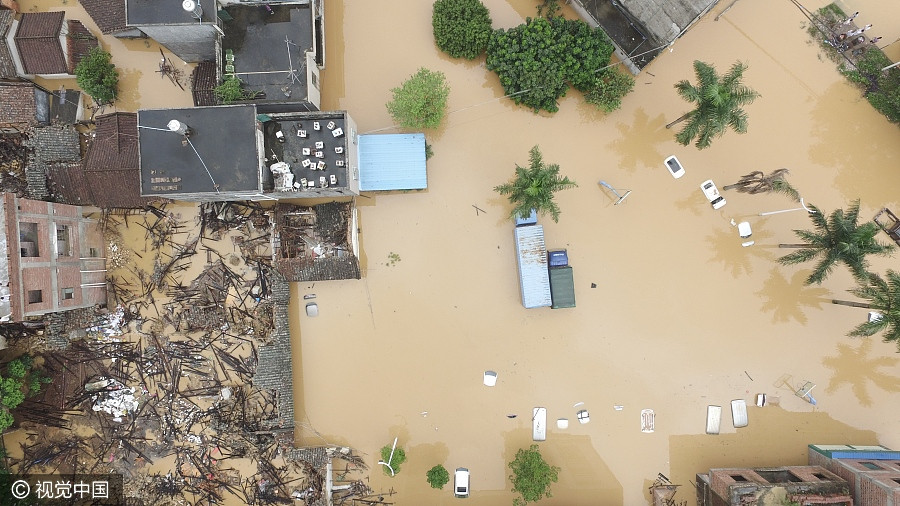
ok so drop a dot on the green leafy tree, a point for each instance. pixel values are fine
(883, 295)
(531, 476)
(437, 476)
(534, 186)
(718, 104)
(19, 378)
(462, 28)
(421, 101)
(548, 8)
(231, 90)
(608, 89)
(837, 239)
(395, 461)
(536, 61)
(97, 76)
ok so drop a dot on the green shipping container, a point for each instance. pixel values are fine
(562, 287)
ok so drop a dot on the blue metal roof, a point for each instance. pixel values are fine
(392, 162)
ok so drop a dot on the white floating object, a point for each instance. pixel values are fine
(578, 404)
(583, 416)
(739, 413)
(713, 419)
(490, 377)
(562, 423)
(539, 424)
(648, 420)
(312, 309)
(618, 407)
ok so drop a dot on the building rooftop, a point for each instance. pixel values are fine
(392, 162)
(203, 83)
(7, 65)
(37, 41)
(275, 44)
(19, 103)
(325, 147)
(79, 42)
(108, 14)
(166, 12)
(227, 157)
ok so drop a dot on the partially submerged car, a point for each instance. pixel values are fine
(674, 166)
(461, 482)
(712, 194)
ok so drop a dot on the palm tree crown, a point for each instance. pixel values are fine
(836, 239)
(882, 294)
(758, 182)
(718, 104)
(534, 186)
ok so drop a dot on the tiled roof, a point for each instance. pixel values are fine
(7, 66)
(114, 145)
(203, 82)
(79, 41)
(18, 103)
(54, 144)
(108, 14)
(69, 185)
(37, 41)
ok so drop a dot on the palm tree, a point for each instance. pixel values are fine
(883, 295)
(718, 104)
(533, 187)
(757, 181)
(836, 239)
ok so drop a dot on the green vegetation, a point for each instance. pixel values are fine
(429, 151)
(836, 239)
(536, 61)
(399, 458)
(97, 76)
(462, 28)
(759, 182)
(548, 8)
(231, 90)
(534, 186)
(393, 258)
(437, 476)
(531, 476)
(20, 378)
(881, 88)
(883, 295)
(718, 104)
(421, 101)
(608, 89)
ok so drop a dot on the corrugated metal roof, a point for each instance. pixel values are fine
(534, 280)
(392, 162)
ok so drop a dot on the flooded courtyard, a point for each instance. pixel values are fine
(682, 316)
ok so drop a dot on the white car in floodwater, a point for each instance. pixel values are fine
(712, 194)
(461, 482)
(674, 166)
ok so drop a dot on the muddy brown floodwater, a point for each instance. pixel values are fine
(682, 315)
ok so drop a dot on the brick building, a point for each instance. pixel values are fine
(53, 261)
(873, 472)
(807, 485)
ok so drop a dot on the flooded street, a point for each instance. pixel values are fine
(681, 317)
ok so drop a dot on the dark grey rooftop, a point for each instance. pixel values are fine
(224, 137)
(166, 12)
(275, 43)
(291, 150)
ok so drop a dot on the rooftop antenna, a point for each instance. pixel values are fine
(616, 192)
(193, 7)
